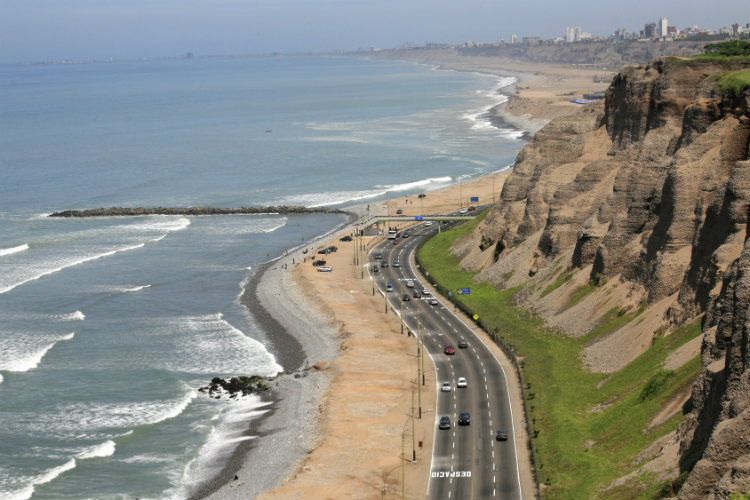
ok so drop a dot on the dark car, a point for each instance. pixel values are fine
(405, 297)
(384, 263)
(472, 208)
(332, 248)
(399, 211)
(375, 269)
(463, 418)
(346, 238)
(405, 235)
(422, 195)
(378, 256)
(462, 344)
(417, 295)
(319, 262)
(502, 435)
(445, 423)
(323, 251)
(395, 242)
(449, 350)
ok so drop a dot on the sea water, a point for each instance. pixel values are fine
(109, 325)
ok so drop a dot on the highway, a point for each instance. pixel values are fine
(467, 462)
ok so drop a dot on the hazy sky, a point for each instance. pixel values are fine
(38, 30)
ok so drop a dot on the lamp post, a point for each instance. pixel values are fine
(420, 365)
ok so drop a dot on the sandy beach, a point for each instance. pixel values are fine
(343, 420)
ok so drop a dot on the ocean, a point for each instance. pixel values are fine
(108, 326)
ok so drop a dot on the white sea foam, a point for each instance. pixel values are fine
(75, 316)
(210, 344)
(134, 288)
(1, 378)
(9, 251)
(419, 184)
(338, 138)
(65, 265)
(227, 432)
(27, 491)
(105, 449)
(21, 353)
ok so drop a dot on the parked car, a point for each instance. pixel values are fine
(405, 297)
(346, 238)
(446, 387)
(325, 269)
(449, 350)
(462, 344)
(502, 435)
(434, 301)
(461, 382)
(399, 211)
(445, 422)
(463, 418)
(319, 262)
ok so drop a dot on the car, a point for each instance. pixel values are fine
(428, 223)
(333, 248)
(324, 251)
(463, 418)
(462, 211)
(405, 297)
(388, 287)
(472, 208)
(375, 269)
(399, 211)
(395, 242)
(396, 264)
(384, 263)
(449, 350)
(461, 382)
(319, 262)
(445, 423)
(378, 256)
(346, 238)
(405, 235)
(417, 295)
(410, 284)
(325, 269)
(446, 387)
(421, 195)
(502, 435)
(462, 344)
(425, 291)
(434, 301)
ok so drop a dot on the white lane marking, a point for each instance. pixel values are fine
(493, 453)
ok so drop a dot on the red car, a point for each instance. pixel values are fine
(449, 350)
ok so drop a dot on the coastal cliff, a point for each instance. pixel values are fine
(637, 206)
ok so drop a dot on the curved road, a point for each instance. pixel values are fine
(467, 462)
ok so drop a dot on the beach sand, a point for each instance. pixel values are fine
(340, 424)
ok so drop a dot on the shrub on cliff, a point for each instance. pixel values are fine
(728, 49)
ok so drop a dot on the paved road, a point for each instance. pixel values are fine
(468, 462)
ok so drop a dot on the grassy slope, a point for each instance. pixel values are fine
(579, 451)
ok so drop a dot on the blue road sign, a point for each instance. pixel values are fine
(475, 199)
(463, 291)
(418, 217)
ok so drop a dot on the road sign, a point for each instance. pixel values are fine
(475, 199)
(418, 217)
(463, 291)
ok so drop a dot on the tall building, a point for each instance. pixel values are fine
(649, 31)
(513, 38)
(573, 34)
(663, 27)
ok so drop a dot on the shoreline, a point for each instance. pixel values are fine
(283, 304)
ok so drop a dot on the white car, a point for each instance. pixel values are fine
(325, 269)
(461, 382)
(409, 284)
(425, 291)
(462, 211)
(433, 301)
(428, 223)
(446, 387)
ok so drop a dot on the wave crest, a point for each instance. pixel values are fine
(9, 251)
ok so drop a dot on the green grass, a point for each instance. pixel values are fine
(733, 82)
(562, 392)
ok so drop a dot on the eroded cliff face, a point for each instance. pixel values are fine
(646, 195)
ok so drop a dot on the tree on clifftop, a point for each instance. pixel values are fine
(728, 49)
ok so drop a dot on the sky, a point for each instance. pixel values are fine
(54, 30)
